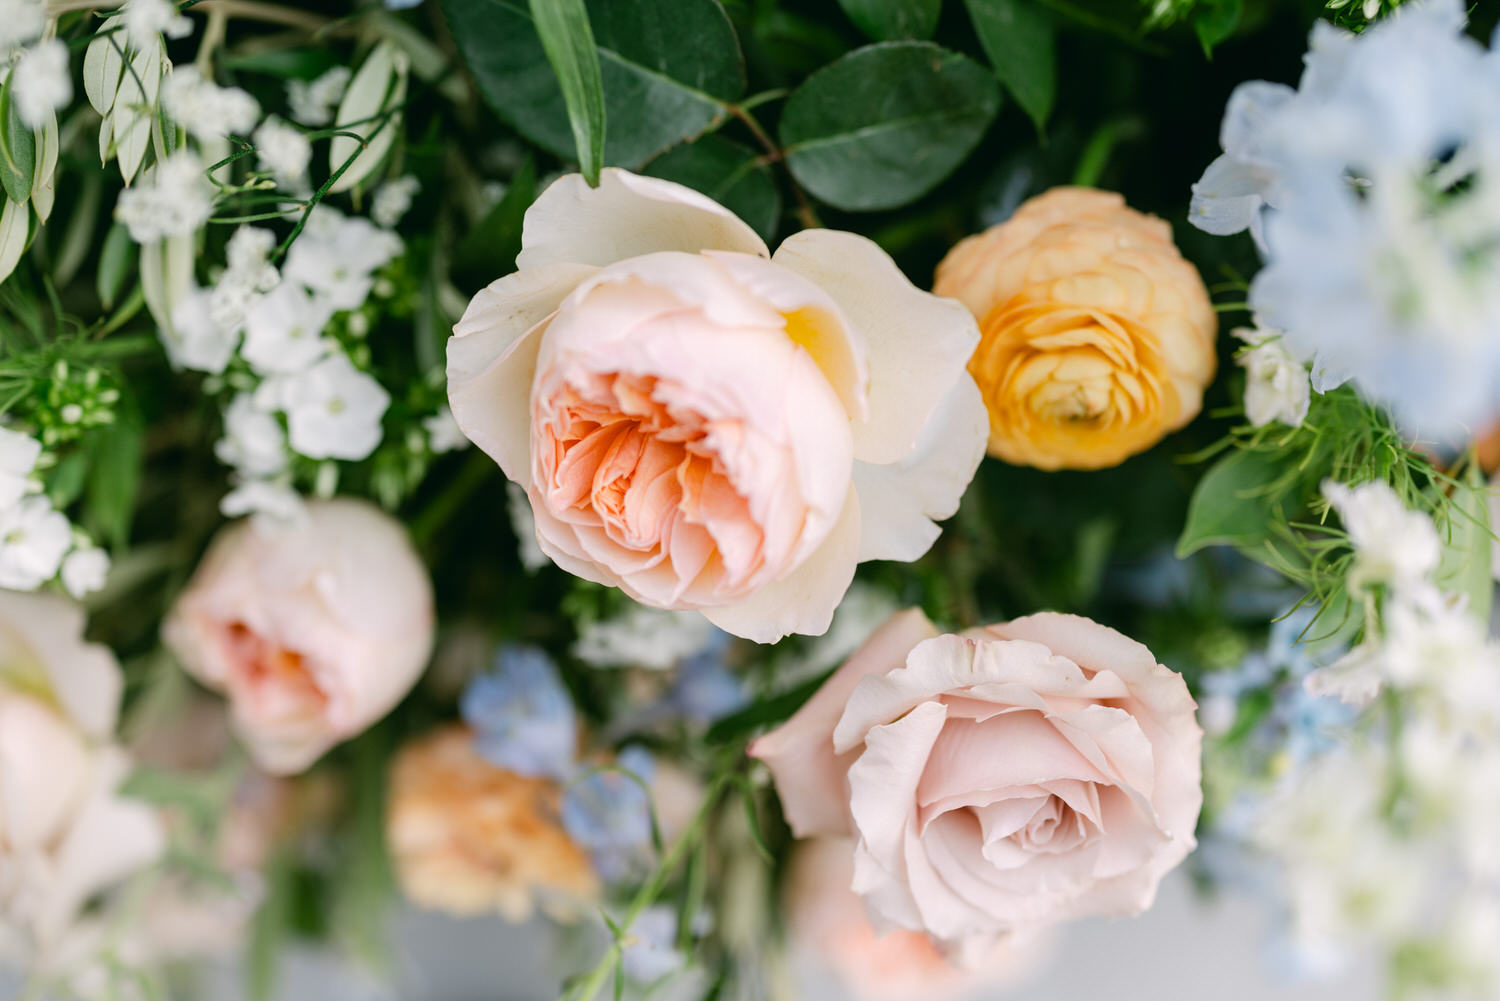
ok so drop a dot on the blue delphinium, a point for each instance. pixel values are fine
(706, 690)
(608, 813)
(522, 716)
(652, 952)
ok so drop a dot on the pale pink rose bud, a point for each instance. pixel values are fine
(708, 426)
(996, 782)
(314, 628)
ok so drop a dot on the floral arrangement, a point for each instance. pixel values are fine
(847, 487)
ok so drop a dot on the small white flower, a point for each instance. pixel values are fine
(253, 443)
(337, 256)
(443, 432)
(263, 498)
(523, 523)
(1276, 386)
(284, 330)
(334, 410)
(147, 20)
(21, 21)
(1392, 544)
(205, 109)
(313, 103)
(196, 340)
(173, 199)
(1355, 678)
(85, 570)
(643, 637)
(33, 540)
(18, 455)
(41, 85)
(248, 275)
(284, 152)
(393, 200)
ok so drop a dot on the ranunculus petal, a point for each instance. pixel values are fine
(919, 344)
(809, 777)
(625, 216)
(804, 600)
(902, 501)
(492, 359)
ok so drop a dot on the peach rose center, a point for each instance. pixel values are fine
(273, 680)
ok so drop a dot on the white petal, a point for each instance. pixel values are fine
(491, 361)
(804, 600)
(624, 217)
(900, 503)
(919, 344)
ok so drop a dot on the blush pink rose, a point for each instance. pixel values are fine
(1000, 781)
(707, 426)
(315, 628)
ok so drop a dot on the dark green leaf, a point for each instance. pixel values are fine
(667, 68)
(764, 713)
(67, 479)
(731, 174)
(891, 20)
(118, 453)
(883, 125)
(1021, 42)
(1230, 506)
(1214, 21)
(563, 26)
(490, 249)
(17, 149)
(116, 263)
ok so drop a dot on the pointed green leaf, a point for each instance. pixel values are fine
(893, 20)
(1021, 42)
(17, 149)
(563, 26)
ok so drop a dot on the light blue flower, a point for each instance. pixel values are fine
(608, 813)
(522, 716)
(706, 690)
(651, 952)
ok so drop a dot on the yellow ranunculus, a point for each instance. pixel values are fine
(1097, 337)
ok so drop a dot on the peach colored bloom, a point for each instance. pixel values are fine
(1097, 338)
(707, 426)
(469, 838)
(828, 929)
(314, 628)
(1000, 781)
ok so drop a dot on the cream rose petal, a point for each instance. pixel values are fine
(492, 360)
(901, 502)
(626, 216)
(83, 678)
(804, 600)
(809, 776)
(919, 344)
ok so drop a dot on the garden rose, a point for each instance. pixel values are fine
(1097, 338)
(314, 628)
(704, 425)
(65, 832)
(1016, 776)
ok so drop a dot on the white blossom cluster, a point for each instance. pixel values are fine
(37, 542)
(1373, 192)
(1389, 838)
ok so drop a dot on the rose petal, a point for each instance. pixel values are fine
(810, 778)
(625, 216)
(804, 600)
(492, 361)
(902, 501)
(919, 344)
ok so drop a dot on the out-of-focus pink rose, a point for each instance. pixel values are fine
(1016, 776)
(65, 832)
(707, 426)
(314, 628)
(828, 929)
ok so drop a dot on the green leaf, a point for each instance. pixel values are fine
(883, 125)
(1231, 507)
(1468, 544)
(116, 263)
(17, 149)
(489, 250)
(731, 174)
(667, 70)
(1214, 21)
(1020, 40)
(118, 454)
(15, 233)
(563, 26)
(770, 710)
(891, 20)
(378, 87)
